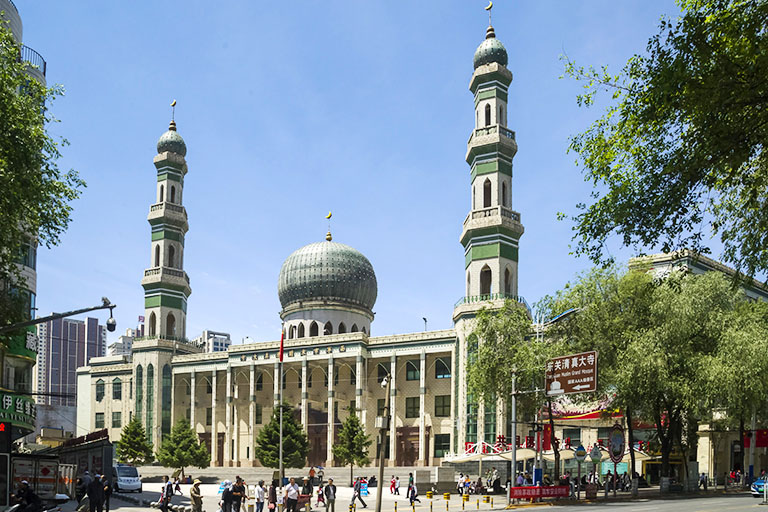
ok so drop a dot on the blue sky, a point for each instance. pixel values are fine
(290, 110)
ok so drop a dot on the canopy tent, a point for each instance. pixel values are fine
(564, 455)
(522, 454)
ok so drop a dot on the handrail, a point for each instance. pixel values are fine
(491, 211)
(166, 205)
(166, 270)
(472, 299)
(149, 337)
(490, 130)
(32, 57)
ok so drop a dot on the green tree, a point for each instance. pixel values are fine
(352, 444)
(295, 444)
(183, 448)
(133, 447)
(682, 144)
(36, 195)
(504, 355)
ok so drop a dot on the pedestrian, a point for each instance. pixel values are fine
(27, 499)
(107, 491)
(238, 494)
(226, 496)
(87, 479)
(196, 496)
(356, 488)
(291, 495)
(312, 475)
(165, 494)
(259, 496)
(392, 485)
(410, 480)
(397, 485)
(95, 493)
(330, 496)
(413, 494)
(176, 485)
(306, 487)
(79, 490)
(272, 496)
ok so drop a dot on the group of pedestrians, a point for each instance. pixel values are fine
(97, 489)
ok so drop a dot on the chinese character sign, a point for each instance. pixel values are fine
(576, 373)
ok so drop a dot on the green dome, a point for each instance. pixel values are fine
(172, 141)
(490, 50)
(327, 271)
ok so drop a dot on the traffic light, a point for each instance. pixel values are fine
(6, 439)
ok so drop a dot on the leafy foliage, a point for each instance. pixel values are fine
(682, 144)
(183, 448)
(352, 444)
(36, 195)
(133, 447)
(295, 444)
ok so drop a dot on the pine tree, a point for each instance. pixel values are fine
(352, 445)
(295, 444)
(133, 447)
(182, 448)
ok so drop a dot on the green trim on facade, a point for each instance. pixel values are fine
(487, 251)
(168, 301)
(168, 234)
(165, 175)
(490, 148)
(492, 230)
(491, 167)
(179, 224)
(155, 286)
(480, 79)
(495, 92)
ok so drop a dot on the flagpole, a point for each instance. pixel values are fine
(280, 407)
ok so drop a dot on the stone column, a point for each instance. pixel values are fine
(393, 411)
(192, 390)
(329, 453)
(454, 404)
(173, 402)
(359, 388)
(214, 434)
(236, 421)
(304, 395)
(228, 420)
(422, 408)
(252, 413)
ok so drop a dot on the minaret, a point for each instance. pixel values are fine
(490, 235)
(166, 285)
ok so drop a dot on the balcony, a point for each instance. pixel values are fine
(169, 213)
(474, 299)
(166, 271)
(491, 130)
(492, 211)
(30, 56)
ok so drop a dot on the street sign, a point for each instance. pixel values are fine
(576, 373)
(616, 443)
(596, 455)
(580, 454)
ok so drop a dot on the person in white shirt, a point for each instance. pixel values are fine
(259, 496)
(291, 496)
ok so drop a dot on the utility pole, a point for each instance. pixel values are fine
(383, 428)
(513, 478)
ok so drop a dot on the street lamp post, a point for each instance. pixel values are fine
(383, 428)
(105, 304)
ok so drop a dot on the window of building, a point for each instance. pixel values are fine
(380, 407)
(301, 331)
(171, 256)
(188, 388)
(130, 389)
(604, 433)
(208, 416)
(139, 389)
(153, 323)
(99, 420)
(309, 377)
(501, 115)
(471, 420)
(117, 419)
(507, 281)
(412, 407)
(354, 328)
(313, 329)
(328, 329)
(485, 280)
(99, 390)
(503, 194)
(412, 369)
(173, 194)
(442, 444)
(574, 434)
(165, 396)
(117, 389)
(209, 387)
(260, 382)
(150, 400)
(487, 193)
(342, 328)
(257, 415)
(383, 371)
(157, 255)
(161, 199)
(443, 368)
(292, 332)
(443, 406)
(487, 114)
(352, 377)
(335, 375)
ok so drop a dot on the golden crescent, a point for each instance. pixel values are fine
(328, 216)
(490, 5)
(173, 103)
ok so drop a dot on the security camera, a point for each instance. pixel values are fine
(111, 324)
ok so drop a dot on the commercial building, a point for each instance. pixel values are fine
(212, 341)
(124, 343)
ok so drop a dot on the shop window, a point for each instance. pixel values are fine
(412, 407)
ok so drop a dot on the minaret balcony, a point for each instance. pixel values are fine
(496, 136)
(167, 275)
(169, 213)
(497, 217)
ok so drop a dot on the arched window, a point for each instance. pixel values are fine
(152, 324)
(292, 332)
(171, 256)
(485, 281)
(139, 390)
(477, 119)
(170, 325)
(301, 331)
(507, 281)
(487, 193)
(173, 194)
(501, 115)
(166, 400)
(150, 400)
(469, 284)
(328, 329)
(487, 115)
(503, 194)
(117, 389)
(99, 390)
(157, 255)
(342, 328)
(473, 197)
(162, 198)
(363, 330)
(313, 329)
(354, 328)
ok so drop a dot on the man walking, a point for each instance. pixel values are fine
(291, 495)
(107, 491)
(356, 489)
(95, 493)
(196, 496)
(259, 495)
(238, 494)
(330, 496)
(165, 495)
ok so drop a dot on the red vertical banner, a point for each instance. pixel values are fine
(280, 355)
(547, 433)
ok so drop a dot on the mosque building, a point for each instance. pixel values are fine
(327, 290)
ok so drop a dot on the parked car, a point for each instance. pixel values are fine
(126, 478)
(757, 487)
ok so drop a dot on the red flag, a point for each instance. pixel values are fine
(280, 355)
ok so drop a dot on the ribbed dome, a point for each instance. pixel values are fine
(490, 50)
(172, 141)
(327, 271)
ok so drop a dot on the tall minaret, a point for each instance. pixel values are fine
(490, 235)
(166, 285)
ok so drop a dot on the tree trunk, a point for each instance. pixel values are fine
(631, 434)
(182, 474)
(553, 441)
(741, 441)
(351, 473)
(666, 445)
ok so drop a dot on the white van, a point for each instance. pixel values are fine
(126, 478)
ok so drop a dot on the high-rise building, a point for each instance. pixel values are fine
(124, 343)
(65, 345)
(213, 341)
